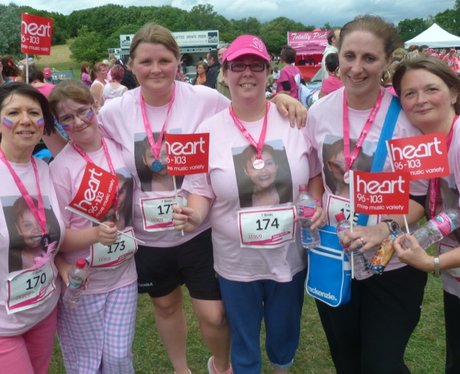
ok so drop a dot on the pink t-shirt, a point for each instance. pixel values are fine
(325, 132)
(449, 189)
(21, 248)
(233, 184)
(330, 84)
(67, 172)
(121, 120)
(289, 73)
(46, 89)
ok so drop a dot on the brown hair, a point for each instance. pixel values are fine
(432, 65)
(155, 34)
(383, 30)
(72, 90)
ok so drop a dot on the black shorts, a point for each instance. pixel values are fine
(161, 270)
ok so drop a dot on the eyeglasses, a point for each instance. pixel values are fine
(84, 114)
(255, 67)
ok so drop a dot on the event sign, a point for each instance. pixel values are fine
(424, 156)
(187, 153)
(381, 193)
(36, 34)
(96, 193)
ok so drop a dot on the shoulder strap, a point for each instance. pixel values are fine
(381, 151)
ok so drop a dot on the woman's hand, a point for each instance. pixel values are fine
(63, 268)
(288, 106)
(364, 237)
(318, 219)
(185, 218)
(409, 251)
(107, 233)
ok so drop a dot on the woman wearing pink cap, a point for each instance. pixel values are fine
(261, 266)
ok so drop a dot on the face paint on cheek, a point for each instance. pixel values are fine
(7, 122)
(40, 122)
(89, 114)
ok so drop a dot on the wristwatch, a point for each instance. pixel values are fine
(393, 226)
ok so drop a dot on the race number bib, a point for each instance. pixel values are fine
(111, 256)
(30, 288)
(455, 272)
(336, 204)
(266, 228)
(157, 213)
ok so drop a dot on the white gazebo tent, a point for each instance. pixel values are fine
(435, 37)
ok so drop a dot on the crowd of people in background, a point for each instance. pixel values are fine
(194, 231)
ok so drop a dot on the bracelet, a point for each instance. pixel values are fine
(437, 267)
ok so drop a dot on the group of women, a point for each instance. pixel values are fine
(253, 246)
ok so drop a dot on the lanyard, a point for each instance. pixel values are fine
(156, 166)
(88, 159)
(259, 145)
(434, 183)
(351, 158)
(37, 211)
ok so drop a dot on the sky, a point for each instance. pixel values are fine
(309, 12)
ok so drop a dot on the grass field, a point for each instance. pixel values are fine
(425, 353)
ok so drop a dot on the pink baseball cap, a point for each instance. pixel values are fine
(246, 45)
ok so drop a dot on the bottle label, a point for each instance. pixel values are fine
(266, 228)
(305, 211)
(29, 288)
(443, 223)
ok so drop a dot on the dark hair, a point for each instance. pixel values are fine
(383, 30)
(332, 62)
(432, 65)
(213, 53)
(117, 72)
(330, 36)
(23, 89)
(288, 54)
(72, 90)
(9, 67)
(85, 67)
(36, 75)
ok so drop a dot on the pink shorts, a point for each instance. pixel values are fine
(29, 353)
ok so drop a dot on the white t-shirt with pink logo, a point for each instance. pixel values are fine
(121, 120)
(112, 267)
(258, 199)
(325, 132)
(29, 288)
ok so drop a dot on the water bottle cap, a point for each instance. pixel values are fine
(303, 188)
(81, 263)
(340, 217)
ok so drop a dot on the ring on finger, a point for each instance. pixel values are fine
(363, 243)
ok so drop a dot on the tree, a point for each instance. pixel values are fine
(449, 20)
(88, 46)
(274, 33)
(410, 28)
(10, 30)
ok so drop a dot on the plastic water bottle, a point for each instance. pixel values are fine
(361, 264)
(77, 278)
(438, 227)
(306, 207)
